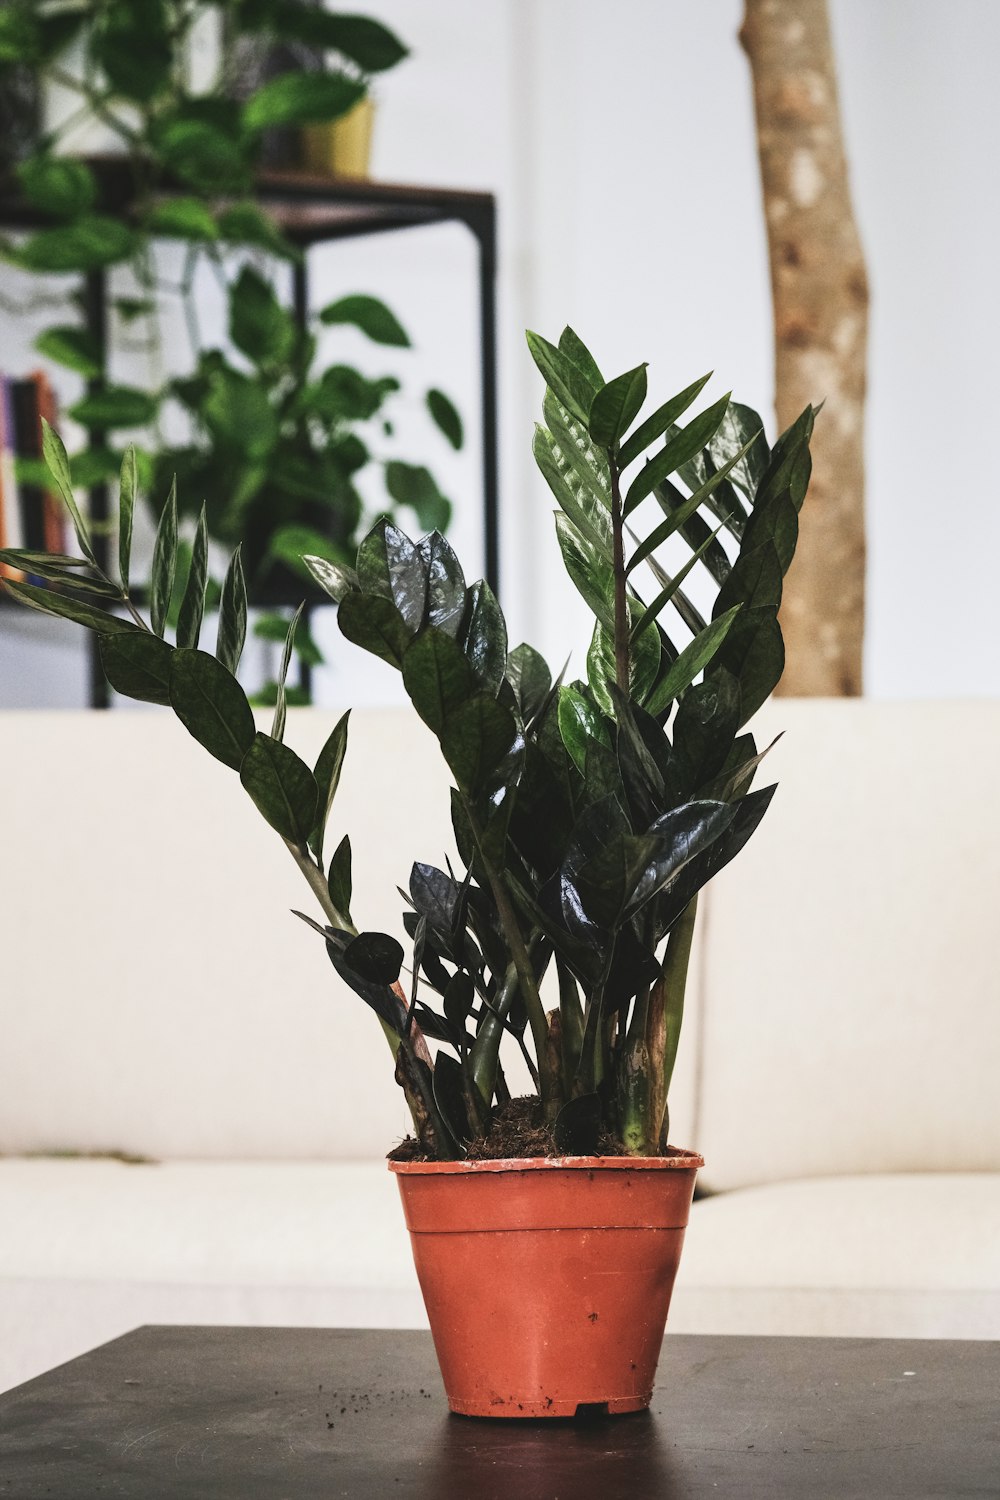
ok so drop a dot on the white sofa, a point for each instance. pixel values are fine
(839, 1069)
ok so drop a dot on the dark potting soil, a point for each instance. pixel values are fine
(516, 1130)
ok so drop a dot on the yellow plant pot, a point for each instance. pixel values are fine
(341, 148)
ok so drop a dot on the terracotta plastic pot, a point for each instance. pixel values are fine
(547, 1282)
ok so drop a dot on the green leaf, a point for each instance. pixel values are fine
(576, 489)
(58, 568)
(564, 378)
(371, 316)
(693, 659)
(280, 705)
(391, 565)
(211, 705)
(258, 324)
(132, 46)
(592, 573)
(755, 654)
(210, 159)
(182, 219)
(114, 406)
(327, 774)
(333, 578)
(671, 586)
(76, 348)
(616, 406)
(247, 224)
(301, 99)
(54, 453)
(126, 512)
(742, 429)
(437, 677)
(48, 602)
(580, 723)
(366, 42)
(339, 880)
(483, 636)
(676, 518)
(282, 787)
(644, 662)
(192, 609)
(375, 624)
(232, 615)
(530, 679)
(656, 425)
(575, 349)
(684, 444)
(445, 583)
(476, 738)
(86, 245)
(415, 486)
(375, 956)
(446, 417)
(138, 665)
(161, 585)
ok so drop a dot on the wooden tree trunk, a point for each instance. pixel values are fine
(820, 292)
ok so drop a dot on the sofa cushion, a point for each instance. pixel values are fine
(850, 997)
(883, 1256)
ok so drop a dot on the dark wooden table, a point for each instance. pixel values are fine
(282, 1414)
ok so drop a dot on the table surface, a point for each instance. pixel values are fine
(281, 1414)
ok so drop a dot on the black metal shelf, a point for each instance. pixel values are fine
(314, 209)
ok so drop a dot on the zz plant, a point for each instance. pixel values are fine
(588, 814)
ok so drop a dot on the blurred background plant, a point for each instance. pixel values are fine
(290, 453)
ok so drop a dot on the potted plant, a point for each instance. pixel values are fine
(587, 816)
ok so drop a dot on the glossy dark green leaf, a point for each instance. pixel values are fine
(755, 654)
(258, 324)
(589, 570)
(755, 580)
(57, 568)
(375, 624)
(327, 773)
(445, 583)
(445, 417)
(741, 426)
(414, 485)
(87, 244)
(161, 584)
(616, 406)
(644, 663)
(683, 445)
(580, 724)
(54, 453)
(76, 348)
(183, 219)
(281, 700)
(114, 406)
(669, 589)
(390, 565)
(693, 659)
(476, 738)
(437, 676)
(369, 315)
(232, 615)
(564, 378)
(640, 767)
(682, 835)
(438, 897)
(339, 879)
(381, 997)
(657, 423)
(138, 665)
(676, 518)
(694, 530)
(49, 602)
(192, 608)
(211, 705)
(483, 636)
(333, 578)
(746, 815)
(366, 42)
(577, 1129)
(375, 956)
(704, 730)
(301, 98)
(126, 510)
(571, 344)
(530, 678)
(458, 1000)
(281, 786)
(578, 499)
(60, 185)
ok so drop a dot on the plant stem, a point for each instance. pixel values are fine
(618, 562)
(318, 884)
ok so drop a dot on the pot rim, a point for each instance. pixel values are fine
(682, 1160)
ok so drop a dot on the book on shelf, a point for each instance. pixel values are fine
(30, 515)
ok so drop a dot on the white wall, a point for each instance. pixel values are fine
(619, 140)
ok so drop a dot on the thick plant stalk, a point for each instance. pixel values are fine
(820, 292)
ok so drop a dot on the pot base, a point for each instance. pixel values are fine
(498, 1406)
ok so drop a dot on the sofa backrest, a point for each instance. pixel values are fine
(850, 997)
